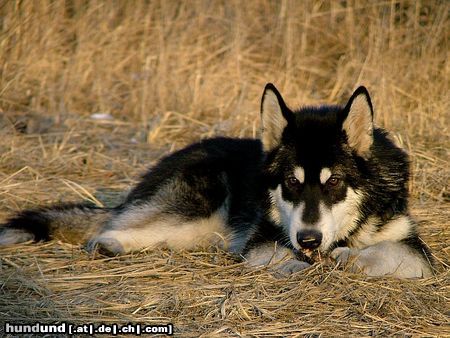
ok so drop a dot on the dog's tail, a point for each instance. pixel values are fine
(71, 223)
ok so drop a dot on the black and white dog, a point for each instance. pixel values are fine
(321, 179)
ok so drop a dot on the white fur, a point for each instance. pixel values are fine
(281, 209)
(274, 211)
(394, 230)
(136, 231)
(325, 174)
(299, 174)
(279, 258)
(346, 213)
(296, 224)
(267, 254)
(384, 258)
(334, 223)
(13, 236)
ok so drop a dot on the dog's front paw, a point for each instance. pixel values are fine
(287, 268)
(384, 258)
(343, 254)
(349, 258)
(368, 261)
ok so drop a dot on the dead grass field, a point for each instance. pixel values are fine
(172, 72)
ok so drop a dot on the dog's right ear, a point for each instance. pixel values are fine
(275, 116)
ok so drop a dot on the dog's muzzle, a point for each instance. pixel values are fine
(309, 239)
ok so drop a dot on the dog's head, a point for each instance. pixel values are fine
(316, 165)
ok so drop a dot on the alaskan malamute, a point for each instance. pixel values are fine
(320, 180)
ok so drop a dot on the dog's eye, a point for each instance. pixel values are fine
(292, 182)
(333, 181)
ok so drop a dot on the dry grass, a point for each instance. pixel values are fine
(172, 72)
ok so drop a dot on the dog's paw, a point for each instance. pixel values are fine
(368, 261)
(343, 254)
(349, 258)
(287, 268)
(384, 258)
(105, 246)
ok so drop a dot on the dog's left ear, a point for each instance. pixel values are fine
(275, 116)
(357, 122)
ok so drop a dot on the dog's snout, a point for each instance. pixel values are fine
(309, 239)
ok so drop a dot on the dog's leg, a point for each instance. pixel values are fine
(279, 259)
(183, 211)
(396, 259)
(244, 215)
(145, 227)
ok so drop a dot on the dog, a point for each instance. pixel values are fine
(321, 180)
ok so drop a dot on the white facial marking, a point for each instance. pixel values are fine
(327, 226)
(296, 224)
(334, 223)
(325, 174)
(287, 215)
(299, 174)
(282, 209)
(346, 213)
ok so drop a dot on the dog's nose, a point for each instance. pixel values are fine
(309, 239)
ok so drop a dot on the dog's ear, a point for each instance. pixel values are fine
(357, 122)
(274, 117)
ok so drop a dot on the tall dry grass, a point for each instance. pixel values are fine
(203, 59)
(171, 72)
(185, 70)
